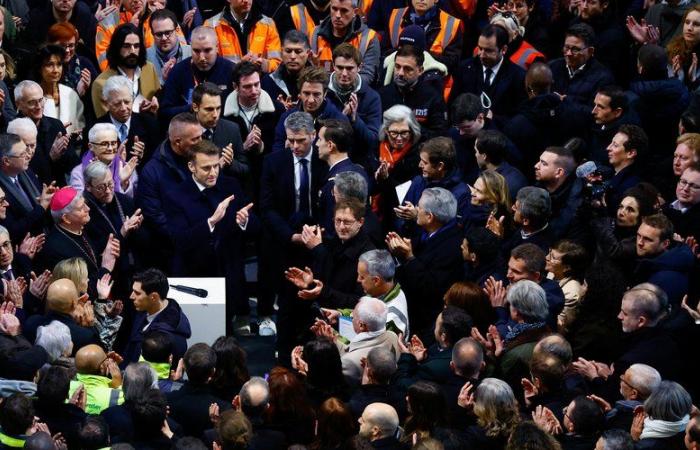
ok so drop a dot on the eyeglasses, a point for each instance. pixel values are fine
(104, 187)
(24, 154)
(164, 34)
(683, 184)
(573, 49)
(399, 133)
(347, 223)
(627, 383)
(114, 144)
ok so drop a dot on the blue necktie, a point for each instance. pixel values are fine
(304, 188)
(123, 133)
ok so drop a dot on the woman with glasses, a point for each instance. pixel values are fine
(59, 101)
(399, 137)
(78, 71)
(104, 146)
(566, 264)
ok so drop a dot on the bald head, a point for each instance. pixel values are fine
(467, 358)
(538, 79)
(61, 296)
(379, 421)
(204, 32)
(254, 397)
(89, 358)
(555, 345)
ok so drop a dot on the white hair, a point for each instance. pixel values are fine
(96, 170)
(100, 128)
(58, 215)
(116, 83)
(24, 85)
(372, 312)
(22, 125)
(54, 338)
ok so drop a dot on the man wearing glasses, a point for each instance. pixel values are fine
(167, 50)
(578, 75)
(26, 201)
(684, 212)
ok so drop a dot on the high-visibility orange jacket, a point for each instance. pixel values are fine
(449, 30)
(105, 30)
(364, 39)
(263, 40)
(302, 19)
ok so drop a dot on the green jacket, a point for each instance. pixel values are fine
(100, 395)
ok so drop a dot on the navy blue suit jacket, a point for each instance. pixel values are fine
(23, 216)
(278, 194)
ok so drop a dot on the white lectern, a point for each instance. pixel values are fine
(207, 315)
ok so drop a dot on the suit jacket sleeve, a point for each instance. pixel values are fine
(173, 101)
(270, 216)
(149, 200)
(280, 135)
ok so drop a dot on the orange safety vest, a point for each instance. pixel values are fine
(105, 30)
(449, 27)
(263, 40)
(526, 55)
(322, 47)
(364, 6)
(302, 19)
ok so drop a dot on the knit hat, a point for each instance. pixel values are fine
(413, 35)
(62, 198)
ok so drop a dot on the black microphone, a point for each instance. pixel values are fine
(190, 290)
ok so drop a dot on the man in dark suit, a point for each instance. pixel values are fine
(492, 73)
(166, 169)
(289, 179)
(206, 106)
(334, 141)
(431, 262)
(140, 130)
(55, 155)
(27, 200)
(208, 218)
(61, 298)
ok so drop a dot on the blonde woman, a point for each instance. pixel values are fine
(103, 314)
(496, 410)
(489, 196)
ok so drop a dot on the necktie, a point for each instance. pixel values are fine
(487, 78)
(304, 187)
(21, 191)
(123, 133)
(8, 275)
(208, 134)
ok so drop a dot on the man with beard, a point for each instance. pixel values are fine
(409, 89)
(126, 56)
(204, 65)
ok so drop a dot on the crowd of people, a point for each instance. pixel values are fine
(466, 224)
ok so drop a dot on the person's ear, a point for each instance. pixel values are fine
(170, 359)
(361, 220)
(236, 403)
(632, 154)
(190, 165)
(504, 50)
(195, 108)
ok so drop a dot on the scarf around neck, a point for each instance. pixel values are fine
(654, 428)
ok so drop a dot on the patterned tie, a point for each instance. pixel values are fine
(208, 134)
(304, 187)
(8, 275)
